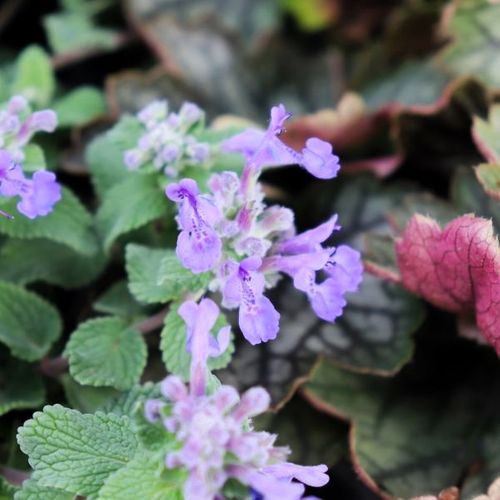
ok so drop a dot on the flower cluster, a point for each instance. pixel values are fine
(247, 245)
(168, 143)
(18, 124)
(214, 434)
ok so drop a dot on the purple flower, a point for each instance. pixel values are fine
(198, 245)
(264, 149)
(244, 288)
(200, 319)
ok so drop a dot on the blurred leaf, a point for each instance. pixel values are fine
(313, 437)
(173, 345)
(86, 398)
(421, 428)
(310, 15)
(379, 256)
(414, 83)
(74, 451)
(128, 402)
(32, 490)
(72, 31)
(48, 261)
(486, 134)
(144, 476)
(34, 159)
(488, 175)
(34, 77)
(373, 335)
(474, 26)
(28, 324)
(117, 300)
(20, 387)
(69, 223)
(106, 352)
(79, 106)
(7, 490)
(130, 204)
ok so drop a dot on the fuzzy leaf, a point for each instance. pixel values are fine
(128, 402)
(34, 77)
(173, 345)
(143, 264)
(86, 398)
(131, 204)
(79, 106)
(69, 223)
(106, 352)
(144, 477)
(48, 261)
(20, 387)
(457, 268)
(475, 30)
(28, 324)
(117, 300)
(488, 175)
(76, 452)
(486, 134)
(32, 490)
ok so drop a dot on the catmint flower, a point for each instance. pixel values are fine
(215, 438)
(38, 194)
(168, 143)
(18, 125)
(265, 149)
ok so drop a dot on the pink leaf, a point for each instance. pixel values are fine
(456, 269)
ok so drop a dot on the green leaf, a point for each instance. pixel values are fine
(105, 153)
(86, 398)
(34, 158)
(69, 223)
(373, 335)
(7, 490)
(144, 477)
(142, 265)
(32, 490)
(488, 174)
(117, 300)
(28, 324)
(486, 134)
(419, 428)
(20, 386)
(34, 77)
(48, 261)
(76, 452)
(131, 204)
(79, 106)
(106, 352)
(152, 436)
(173, 345)
(128, 402)
(68, 32)
(474, 27)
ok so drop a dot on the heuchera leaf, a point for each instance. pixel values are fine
(456, 269)
(488, 174)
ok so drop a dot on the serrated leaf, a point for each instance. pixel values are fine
(28, 324)
(105, 153)
(20, 387)
(106, 352)
(127, 402)
(44, 260)
(474, 27)
(117, 300)
(486, 134)
(131, 204)
(173, 345)
(31, 490)
(76, 452)
(373, 335)
(69, 223)
(34, 77)
(86, 398)
(79, 106)
(142, 265)
(488, 175)
(144, 477)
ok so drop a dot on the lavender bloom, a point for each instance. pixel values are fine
(198, 245)
(38, 194)
(167, 142)
(215, 438)
(264, 149)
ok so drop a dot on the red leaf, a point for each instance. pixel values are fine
(456, 269)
